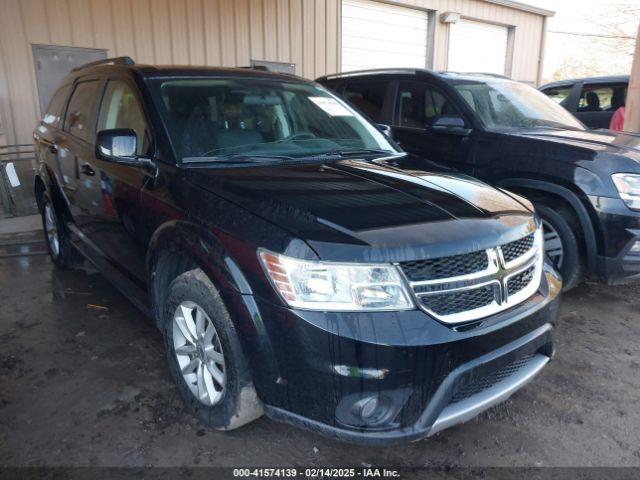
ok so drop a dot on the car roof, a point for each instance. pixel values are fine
(423, 72)
(602, 79)
(163, 71)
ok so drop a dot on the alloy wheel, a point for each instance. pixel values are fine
(553, 244)
(199, 353)
(51, 229)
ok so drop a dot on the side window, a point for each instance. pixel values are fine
(602, 98)
(368, 97)
(560, 94)
(120, 109)
(80, 118)
(420, 105)
(53, 113)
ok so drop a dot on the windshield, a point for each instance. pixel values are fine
(247, 119)
(510, 105)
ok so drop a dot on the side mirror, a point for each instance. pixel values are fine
(119, 145)
(386, 129)
(453, 124)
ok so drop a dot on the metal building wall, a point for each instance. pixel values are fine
(201, 32)
(209, 32)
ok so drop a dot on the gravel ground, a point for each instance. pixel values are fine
(83, 385)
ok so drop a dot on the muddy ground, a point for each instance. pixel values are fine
(81, 385)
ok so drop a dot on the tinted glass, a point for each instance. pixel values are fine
(559, 95)
(53, 113)
(121, 109)
(368, 97)
(420, 105)
(602, 98)
(80, 118)
(222, 117)
(504, 104)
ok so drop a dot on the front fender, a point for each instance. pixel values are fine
(573, 200)
(201, 248)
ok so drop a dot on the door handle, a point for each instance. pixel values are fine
(88, 170)
(53, 149)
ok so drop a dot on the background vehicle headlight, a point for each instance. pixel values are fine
(336, 286)
(628, 186)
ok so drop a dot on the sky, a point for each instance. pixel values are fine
(589, 37)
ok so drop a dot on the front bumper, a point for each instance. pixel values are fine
(621, 231)
(431, 375)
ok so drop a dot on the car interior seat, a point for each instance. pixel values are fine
(593, 103)
(408, 112)
(618, 99)
(240, 126)
(198, 133)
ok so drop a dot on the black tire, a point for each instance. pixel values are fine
(572, 267)
(65, 255)
(239, 404)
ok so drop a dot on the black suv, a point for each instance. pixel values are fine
(291, 263)
(592, 100)
(584, 184)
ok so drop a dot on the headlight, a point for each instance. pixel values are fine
(628, 186)
(332, 286)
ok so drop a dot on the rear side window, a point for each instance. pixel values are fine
(559, 95)
(53, 113)
(121, 109)
(368, 97)
(602, 98)
(81, 112)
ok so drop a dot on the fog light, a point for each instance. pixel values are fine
(368, 407)
(372, 410)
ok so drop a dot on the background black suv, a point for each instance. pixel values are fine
(592, 100)
(291, 263)
(584, 184)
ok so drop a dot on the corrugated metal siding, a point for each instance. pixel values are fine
(528, 31)
(210, 32)
(201, 32)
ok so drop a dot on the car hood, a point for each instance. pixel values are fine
(596, 141)
(360, 210)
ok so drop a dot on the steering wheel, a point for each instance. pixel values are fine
(298, 136)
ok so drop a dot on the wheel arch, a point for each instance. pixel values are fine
(46, 182)
(39, 189)
(527, 187)
(177, 247)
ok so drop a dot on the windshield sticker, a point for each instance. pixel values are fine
(331, 106)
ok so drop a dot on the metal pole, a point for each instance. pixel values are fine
(543, 45)
(632, 108)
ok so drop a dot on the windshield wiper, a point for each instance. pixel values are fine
(237, 158)
(349, 152)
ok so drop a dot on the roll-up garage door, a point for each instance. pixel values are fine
(379, 35)
(477, 47)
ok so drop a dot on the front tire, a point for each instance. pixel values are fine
(205, 356)
(61, 251)
(561, 245)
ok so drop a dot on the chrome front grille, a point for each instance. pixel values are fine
(449, 303)
(520, 281)
(514, 250)
(472, 286)
(446, 267)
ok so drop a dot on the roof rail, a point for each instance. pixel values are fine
(116, 61)
(485, 74)
(393, 70)
(262, 68)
